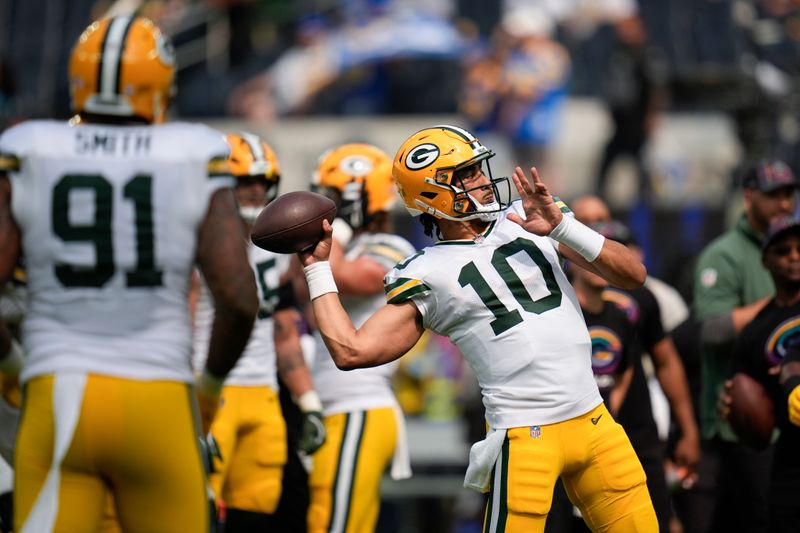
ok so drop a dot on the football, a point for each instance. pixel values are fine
(292, 222)
(752, 414)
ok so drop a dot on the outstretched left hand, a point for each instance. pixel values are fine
(542, 214)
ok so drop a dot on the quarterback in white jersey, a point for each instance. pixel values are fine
(112, 210)
(365, 427)
(521, 357)
(495, 286)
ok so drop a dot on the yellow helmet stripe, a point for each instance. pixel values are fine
(111, 52)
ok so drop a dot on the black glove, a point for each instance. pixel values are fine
(209, 450)
(314, 434)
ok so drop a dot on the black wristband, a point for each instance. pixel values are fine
(790, 384)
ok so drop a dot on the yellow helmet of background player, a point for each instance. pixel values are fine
(122, 67)
(359, 178)
(424, 169)
(252, 158)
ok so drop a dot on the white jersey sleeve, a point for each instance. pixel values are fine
(109, 218)
(506, 304)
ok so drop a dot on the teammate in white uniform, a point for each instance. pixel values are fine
(112, 210)
(249, 428)
(366, 429)
(495, 287)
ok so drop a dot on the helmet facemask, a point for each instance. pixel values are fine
(470, 207)
(249, 213)
(357, 177)
(253, 162)
(351, 202)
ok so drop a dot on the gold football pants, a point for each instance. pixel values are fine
(251, 434)
(83, 438)
(601, 472)
(345, 482)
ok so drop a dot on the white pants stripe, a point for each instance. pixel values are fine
(346, 473)
(67, 400)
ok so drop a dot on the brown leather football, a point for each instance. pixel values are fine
(752, 414)
(292, 222)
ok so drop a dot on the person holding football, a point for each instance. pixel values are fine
(494, 285)
(765, 350)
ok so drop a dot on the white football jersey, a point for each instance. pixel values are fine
(257, 365)
(505, 303)
(109, 217)
(364, 388)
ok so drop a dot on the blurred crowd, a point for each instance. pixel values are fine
(505, 66)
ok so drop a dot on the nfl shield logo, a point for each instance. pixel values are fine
(536, 431)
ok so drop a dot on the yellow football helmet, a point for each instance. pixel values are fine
(253, 159)
(424, 171)
(358, 177)
(122, 67)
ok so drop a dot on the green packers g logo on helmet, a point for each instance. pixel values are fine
(422, 156)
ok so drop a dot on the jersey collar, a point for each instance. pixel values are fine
(744, 227)
(467, 242)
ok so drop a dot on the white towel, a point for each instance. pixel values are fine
(482, 457)
(401, 463)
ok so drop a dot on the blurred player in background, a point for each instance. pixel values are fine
(636, 413)
(365, 427)
(613, 336)
(768, 343)
(731, 286)
(495, 286)
(249, 429)
(112, 212)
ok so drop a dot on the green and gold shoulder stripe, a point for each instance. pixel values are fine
(9, 163)
(402, 289)
(218, 167)
(561, 205)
